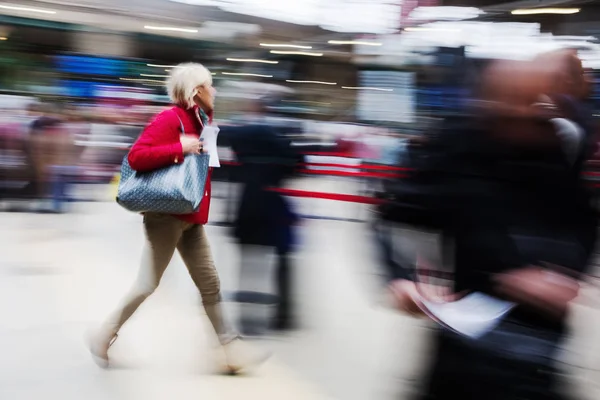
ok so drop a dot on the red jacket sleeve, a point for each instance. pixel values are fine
(158, 146)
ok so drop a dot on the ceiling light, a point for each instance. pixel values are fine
(246, 74)
(533, 11)
(3, 38)
(367, 88)
(291, 46)
(155, 76)
(252, 60)
(356, 42)
(317, 82)
(161, 66)
(28, 9)
(298, 53)
(170, 28)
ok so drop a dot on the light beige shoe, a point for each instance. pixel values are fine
(241, 357)
(99, 343)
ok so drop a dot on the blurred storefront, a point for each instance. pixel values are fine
(81, 61)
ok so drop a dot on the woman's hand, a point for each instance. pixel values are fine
(406, 297)
(191, 145)
(545, 290)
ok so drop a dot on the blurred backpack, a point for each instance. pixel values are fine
(416, 198)
(423, 196)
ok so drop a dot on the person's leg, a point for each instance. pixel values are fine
(58, 188)
(284, 315)
(469, 369)
(36, 160)
(246, 294)
(252, 295)
(196, 254)
(45, 159)
(162, 235)
(195, 251)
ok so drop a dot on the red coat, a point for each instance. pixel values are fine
(159, 146)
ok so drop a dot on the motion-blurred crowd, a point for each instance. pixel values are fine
(46, 147)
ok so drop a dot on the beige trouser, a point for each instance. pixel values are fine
(164, 234)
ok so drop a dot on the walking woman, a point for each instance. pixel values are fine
(161, 144)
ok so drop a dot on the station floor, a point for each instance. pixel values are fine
(61, 274)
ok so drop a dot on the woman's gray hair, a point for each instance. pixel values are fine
(183, 81)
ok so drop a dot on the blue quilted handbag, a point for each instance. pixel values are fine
(176, 189)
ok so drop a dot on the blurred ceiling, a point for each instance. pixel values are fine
(133, 15)
(178, 13)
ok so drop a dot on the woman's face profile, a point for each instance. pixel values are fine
(205, 97)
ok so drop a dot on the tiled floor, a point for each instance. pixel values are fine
(61, 274)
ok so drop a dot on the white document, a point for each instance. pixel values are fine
(210, 134)
(472, 316)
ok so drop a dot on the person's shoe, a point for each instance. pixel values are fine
(99, 343)
(241, 357)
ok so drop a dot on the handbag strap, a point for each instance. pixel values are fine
(180, 122)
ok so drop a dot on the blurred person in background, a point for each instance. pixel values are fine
(51, 147)
(163, 144)
(406, 201)
(588, 104)
(264, 217)
(566, 98)
(17, 130)
(522, 226)
(66, 165)
(15, 162)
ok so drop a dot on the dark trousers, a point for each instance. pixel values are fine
(283, 283)
(463, 370)
(252, 288)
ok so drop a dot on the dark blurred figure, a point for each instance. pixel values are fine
(264, 217)
(65, 169)
(403, 205)
(522, 224)
(52, 153)
(43, 132)
(15, 165)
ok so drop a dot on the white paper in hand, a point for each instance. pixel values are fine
(472, 316)
(210, 134)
